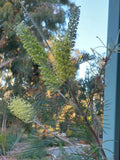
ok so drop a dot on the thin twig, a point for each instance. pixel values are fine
(35, 25)
(53, 133)
(7, 62)
(3, 157)
(101, 41)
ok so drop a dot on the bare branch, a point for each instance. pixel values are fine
(35, 25)
(53, 133)
(7, 62)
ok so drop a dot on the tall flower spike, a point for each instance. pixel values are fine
(73, 24)
(63, 66)
(22, 109)
(38, 55)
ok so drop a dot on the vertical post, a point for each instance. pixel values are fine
(112, 90)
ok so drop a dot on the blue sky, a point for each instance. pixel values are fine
(93, 22)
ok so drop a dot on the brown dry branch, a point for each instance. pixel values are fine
(2, 41)
(5, 63)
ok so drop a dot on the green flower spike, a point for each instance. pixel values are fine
(22, 109)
